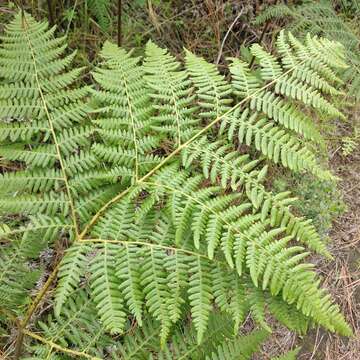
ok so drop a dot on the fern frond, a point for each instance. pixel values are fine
(213, 90)
(277, 11)
(290, 355)
(49, 204)
(293, 88)
(22, 131)
(75, 325)
(16, 277)
(267, 258)
(127, 119)
(219, 160)
(171, 93)
(274, 142)
(288, 315)
(150, 243)
(302, 71)
(317, 63)
(105, 289)
(286, 114)
(320, 18)
(128, 273)
(89, 203)
(100, 9)
(40, 180)
(244, 82)
(183, 344)
(177, 267)
(220, 163)
(242, 348)
(200, 295)
(155, 288)
(143, 339)
(71, 269)
(41, 157)
(47, 126)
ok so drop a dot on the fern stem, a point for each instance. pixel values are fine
(19, 341)
(30, 311)
(181, 147)
(58, 347)
(52, 130)
(39, 296)
(141, 243)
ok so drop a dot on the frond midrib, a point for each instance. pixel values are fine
(52, 130)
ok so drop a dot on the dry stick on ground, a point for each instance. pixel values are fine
(227, 34)
(260, 40)
(58, 347)
(51, 13)
(119, 34)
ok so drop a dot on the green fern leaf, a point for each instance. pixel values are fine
(105, 289)
(71, 269)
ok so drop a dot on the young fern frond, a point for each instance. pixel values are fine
(100, 10)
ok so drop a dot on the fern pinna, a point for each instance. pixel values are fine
(320, 17)
(153, 179)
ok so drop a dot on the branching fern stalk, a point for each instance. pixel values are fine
(156, 186)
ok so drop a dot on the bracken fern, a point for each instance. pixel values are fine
(157, 188)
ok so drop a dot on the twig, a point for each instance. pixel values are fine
(32, 308)
(51, 13)
(119, 34)
(58, 347)
(226, 35)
